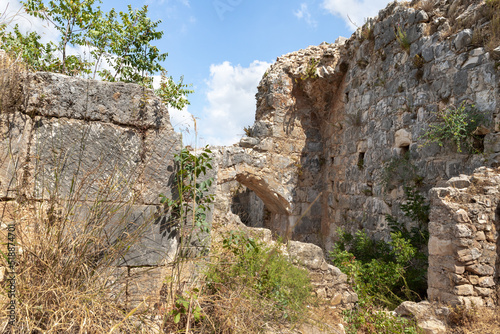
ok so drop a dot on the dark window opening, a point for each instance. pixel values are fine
(478, 143)
(405, 149)
(361, 160)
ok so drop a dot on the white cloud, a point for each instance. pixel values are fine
(303, 13)
(357, 10)
(13, 13)
(231, 101)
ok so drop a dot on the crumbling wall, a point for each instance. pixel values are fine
(331, 117)
(99, 152)
(463, 247)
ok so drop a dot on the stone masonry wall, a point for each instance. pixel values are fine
(98, 149)
(463, 248)
(331, 117)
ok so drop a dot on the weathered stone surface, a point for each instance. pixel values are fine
(425, 314)
(105, 150)
(475, 256)
(440, 247)
(57, 95)
(15, 132)
(248, 142)
(79, 158)
(463, 39)
(402, 138)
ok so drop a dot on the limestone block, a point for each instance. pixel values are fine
(480, 236)
(421, 16)
(157, 165)
(440, 247)
(471, 301)
(309, 255)
(249, 142)
(438, 279)
(463, 231)
(480, 269)
(473, 279)
(153, 232)
(460, 182)
(464, 290)
(15, 130)
(486, 282)
(402, 138)
(144, 285)
(73, 158)
(415, 310)
(459, 279)
(466, 255)
(483, 292)
(57, 95)
(433, 326)
(492, 143)
(442, 296)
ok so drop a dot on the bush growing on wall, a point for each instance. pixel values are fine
(456, 124)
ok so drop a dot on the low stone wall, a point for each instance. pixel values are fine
(463, 245)
(98, 153)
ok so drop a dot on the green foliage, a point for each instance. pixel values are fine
(125, 43)
(184, 307)
(457, 124)
(310, 72)
(377, 268)
(266, 275)
(173, 94)
(369, 319)
(191, 203)
(417, 210)
(400, 170)
(72, 19)
(121, 39)
(402, 38)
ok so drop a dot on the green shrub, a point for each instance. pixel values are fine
(402, 38)
(378, 271)
(417, 210)
(377, 268)
(369, 319)
(262, 276)
(457, 124)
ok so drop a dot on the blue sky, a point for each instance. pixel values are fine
(223, 47)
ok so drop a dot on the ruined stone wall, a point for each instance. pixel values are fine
(331, 117)
(463, 247)
(99, 152)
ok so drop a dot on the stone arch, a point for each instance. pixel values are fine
(267, 191)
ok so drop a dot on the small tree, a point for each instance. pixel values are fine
(122, 39)
(125, 44)
(72, 19)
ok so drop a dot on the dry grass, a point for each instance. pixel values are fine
(12, 74)
(482, 320)
(68, 248)
(67, 280)
(426, 5)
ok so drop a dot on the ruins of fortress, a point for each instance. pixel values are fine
(338, 133)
